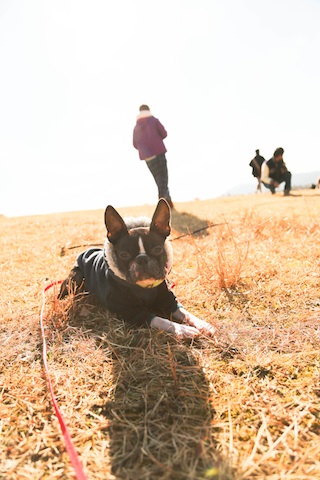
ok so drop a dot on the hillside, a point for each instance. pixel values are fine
(141, 404)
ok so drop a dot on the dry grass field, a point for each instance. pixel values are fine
(141, 404)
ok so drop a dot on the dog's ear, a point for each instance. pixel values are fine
(114, 224)
(160, 222)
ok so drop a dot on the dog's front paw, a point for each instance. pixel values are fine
(181, 331)
(185, 331)
(203, 327)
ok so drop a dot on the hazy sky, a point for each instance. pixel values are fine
(224, 77)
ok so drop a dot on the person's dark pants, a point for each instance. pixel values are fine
(285, 177)
(159, 170)
(269, 187)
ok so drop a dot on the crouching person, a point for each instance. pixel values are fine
(274, 172)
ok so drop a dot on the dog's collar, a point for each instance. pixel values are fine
(148, 283)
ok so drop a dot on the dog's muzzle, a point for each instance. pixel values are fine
(146, 272)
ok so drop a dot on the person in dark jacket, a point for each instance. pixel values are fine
(274, 172)
(255, 164)
(148, 136)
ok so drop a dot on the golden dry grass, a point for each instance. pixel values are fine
(139, 403)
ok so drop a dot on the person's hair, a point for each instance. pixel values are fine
(278, 151)
(143, 107)
(257, 151)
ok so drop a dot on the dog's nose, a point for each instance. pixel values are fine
(142, 259)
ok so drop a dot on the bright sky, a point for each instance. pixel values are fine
(223, 76)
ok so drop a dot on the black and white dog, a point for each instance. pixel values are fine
(128, 276)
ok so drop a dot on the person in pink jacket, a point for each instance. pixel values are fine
(148, 136)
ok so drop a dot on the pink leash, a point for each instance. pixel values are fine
(75, 461)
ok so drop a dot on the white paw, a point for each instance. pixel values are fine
(185, 331)
(181, 331)
(204, 327)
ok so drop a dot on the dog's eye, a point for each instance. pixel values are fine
(156, 251)
(124, 255)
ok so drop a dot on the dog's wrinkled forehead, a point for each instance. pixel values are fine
(134, 223)
(139, 240)
(138, 232)
(145, 240)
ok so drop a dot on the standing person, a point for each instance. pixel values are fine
(148, 136)
(274, 172)
(255, 164)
